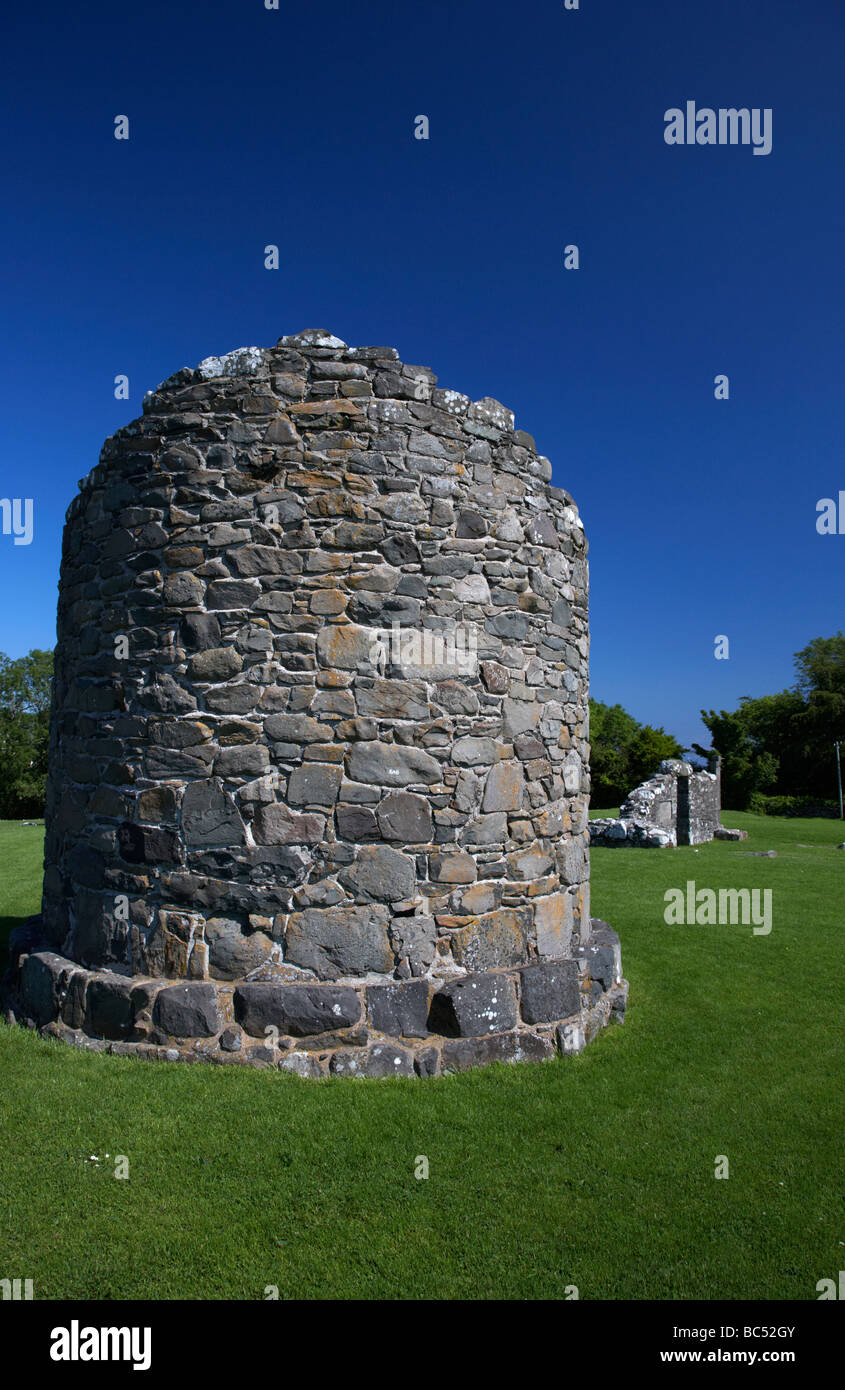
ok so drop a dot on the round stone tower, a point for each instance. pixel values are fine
(319, 763)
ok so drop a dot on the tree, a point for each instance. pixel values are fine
(821, 666)
(783, 743)
(821, 685)
(25, 688)
(746, 767)
(623, 752)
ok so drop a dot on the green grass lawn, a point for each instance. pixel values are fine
(21, 870)
(596, 1171)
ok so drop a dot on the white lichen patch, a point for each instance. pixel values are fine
(312, 337)
(241, 362)
(455, 403)
(491, 412)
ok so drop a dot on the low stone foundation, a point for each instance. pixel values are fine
(422, 1027)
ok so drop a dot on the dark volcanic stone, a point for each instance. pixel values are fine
(400, 550)
(356, 823)
(380, 873)
(427, 1062)
(550, 991)
(157, 804)
(400, 1010)
(299, 1010)
(314, 784)
(512, 626)
(87, 866)
(231, 1040)
(109, 1007)
(473, 1006)
(38, 989)
(139, 845)
(210, 817)
(405, 817)
(601, 959)
(200, 631)
(471, 525)
(187, 1011)
(341, 940)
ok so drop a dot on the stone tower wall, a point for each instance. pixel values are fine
(320, 714)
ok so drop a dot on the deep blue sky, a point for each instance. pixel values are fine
(296, 127)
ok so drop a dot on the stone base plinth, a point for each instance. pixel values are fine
(422, 1027)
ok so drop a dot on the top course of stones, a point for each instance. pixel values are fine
(371, 374)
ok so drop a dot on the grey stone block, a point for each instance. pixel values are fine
(314, 784)
(210, 817)
(141, 845)
(473, 1006)
(602, 954)
(549, 991)
(187, 1011)
(459, 1054)
(390, 765)
(109, 1007)
(305, 1064)
(300, 1010)
(400, 1010)
(341, 940)
(380, 873)
(233, 952)
(427, 1062)
(200, 631)
(405, 817)
(380, 1060)
(274, 824)
(414, 941)
(39, 987)
(356, 823)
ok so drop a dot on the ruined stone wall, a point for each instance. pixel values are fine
(319, 741)
(675, 806)
(699, 807)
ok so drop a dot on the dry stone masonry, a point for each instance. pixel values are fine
(319, 764)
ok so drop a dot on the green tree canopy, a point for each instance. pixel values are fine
(25, 686)
(623, 752)
(783, 744)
